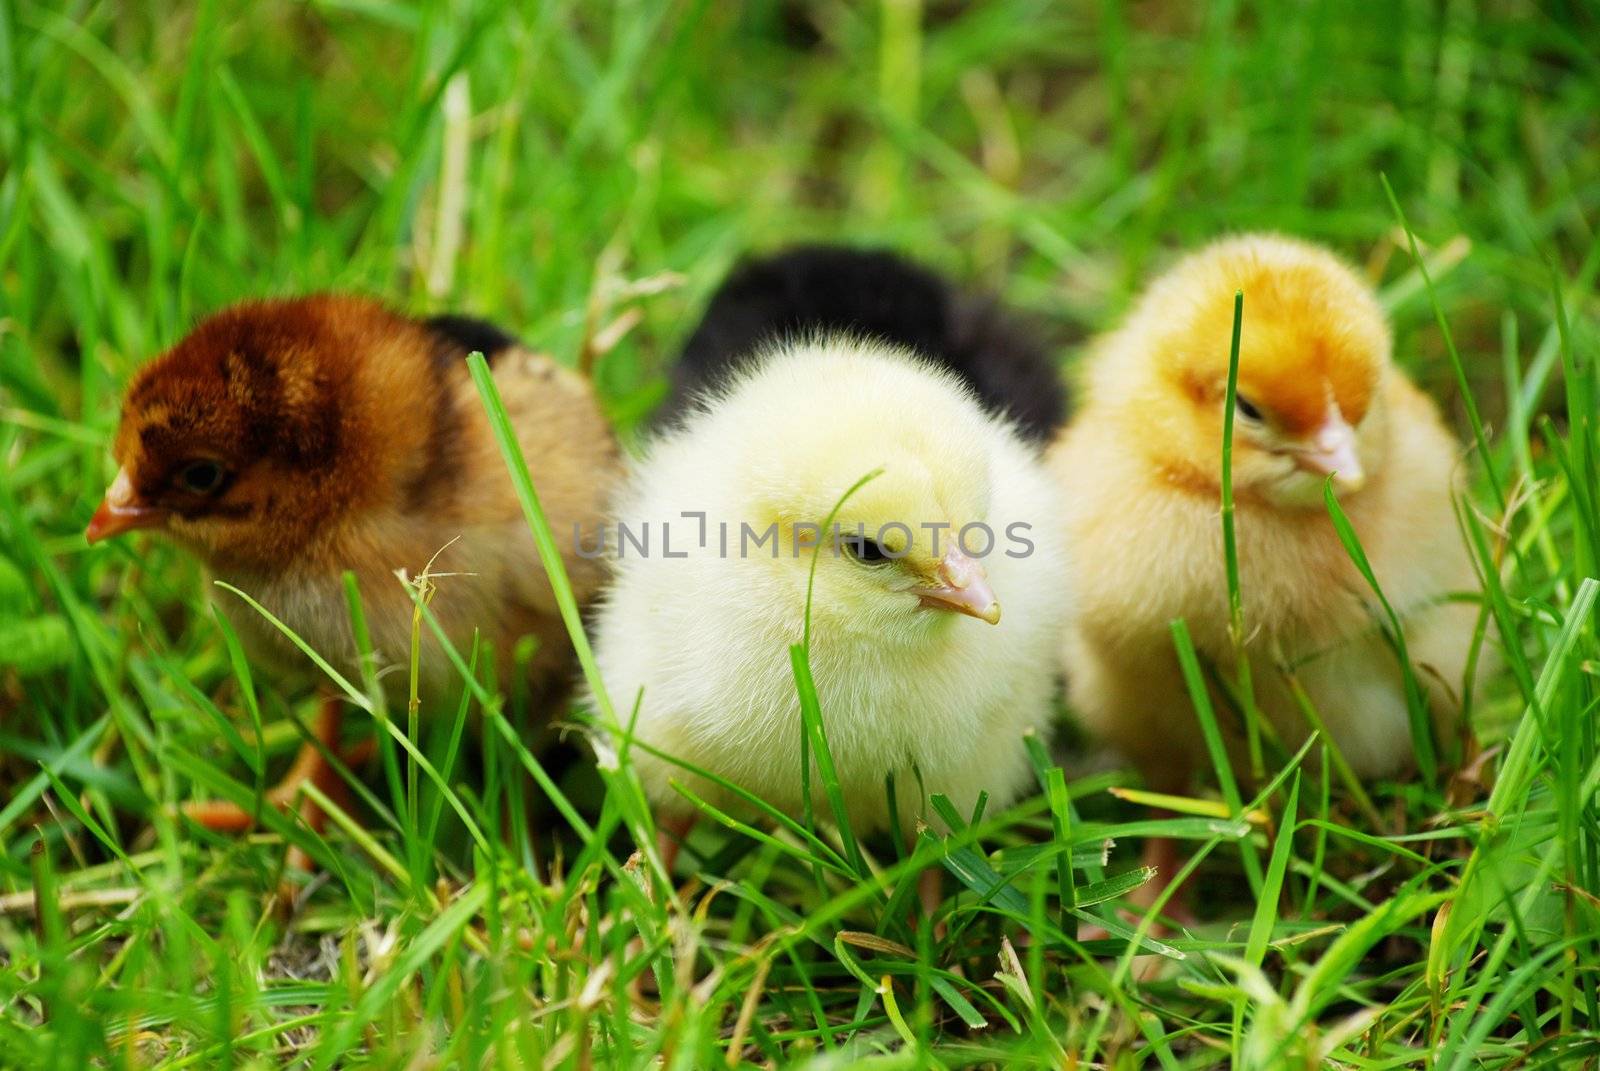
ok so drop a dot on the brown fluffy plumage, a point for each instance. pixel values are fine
(1141, 469)
(284, 442)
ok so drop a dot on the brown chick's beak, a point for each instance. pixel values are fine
(1330, 450)
(121, 511)
(963, 587)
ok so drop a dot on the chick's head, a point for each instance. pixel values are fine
(903, 554)
(1314, 349)
(256, 431)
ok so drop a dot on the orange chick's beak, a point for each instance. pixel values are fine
(121, 511)
(1330, 450)
(963, 587)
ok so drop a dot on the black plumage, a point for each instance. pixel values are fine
(471, 334)
(874, 294)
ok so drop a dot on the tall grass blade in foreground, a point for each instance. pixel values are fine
(635, 807)
(1422, 742)
(1230, 553)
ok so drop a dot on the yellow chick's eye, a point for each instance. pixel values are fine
(1247, 409)
(866, 551)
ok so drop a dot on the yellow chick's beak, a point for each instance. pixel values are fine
(1330, 450)
(121, 511)
(963, 587)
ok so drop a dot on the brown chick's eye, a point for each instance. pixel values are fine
(866, 551)
(201, 477)
(1247, 408)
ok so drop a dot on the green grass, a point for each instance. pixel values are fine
(585, 174)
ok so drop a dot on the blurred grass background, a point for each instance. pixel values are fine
(504, 160)
(585, 173)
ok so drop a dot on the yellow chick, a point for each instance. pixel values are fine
(916, 668)
(1140, 468)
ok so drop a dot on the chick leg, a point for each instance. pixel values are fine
(1163, 855)
(930, 890)
(671, 832)
(309, 766)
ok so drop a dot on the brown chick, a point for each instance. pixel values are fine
(1318, 395)
(284, 442)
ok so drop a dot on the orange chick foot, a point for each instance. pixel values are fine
(671, 832)
(1162, 855)
(309, 767)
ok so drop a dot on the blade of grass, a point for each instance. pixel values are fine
(1230, 555)
(1463, 384)
(1200, 697)
(623, 780)
(1422, 741)
(1268, 903)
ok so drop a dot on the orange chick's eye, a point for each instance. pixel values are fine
(1247, 409)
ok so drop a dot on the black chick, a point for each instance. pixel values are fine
(873, 294)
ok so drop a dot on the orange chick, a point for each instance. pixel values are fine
(284, 442)
(1318, 397)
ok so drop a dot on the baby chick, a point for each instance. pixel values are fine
(917, 670)
(1318, 396)
(878, 295)
(284, 442)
